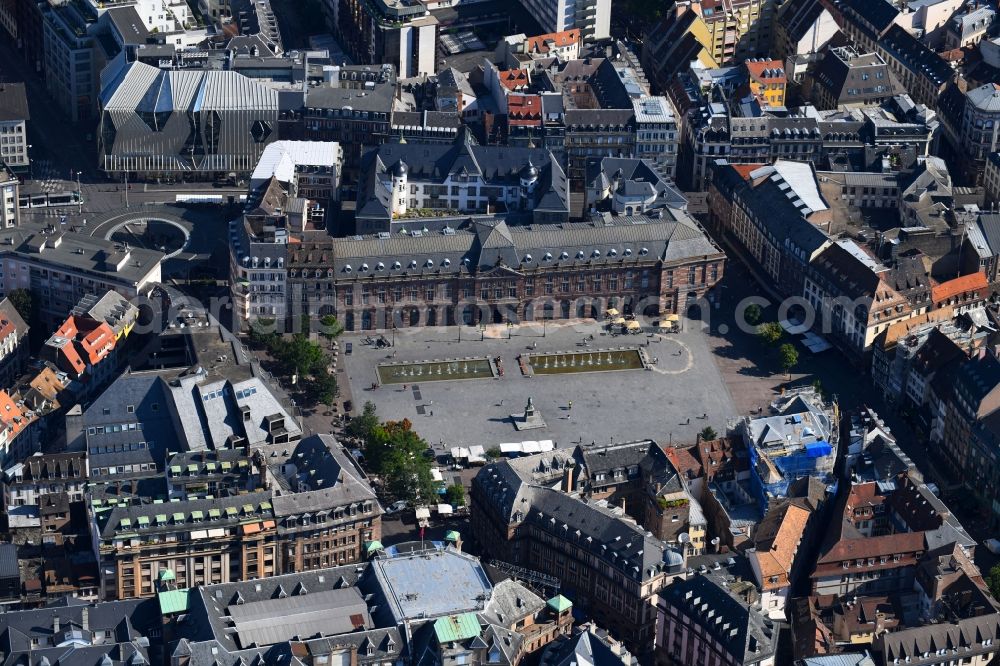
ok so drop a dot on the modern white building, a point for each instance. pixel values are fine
(591, 17)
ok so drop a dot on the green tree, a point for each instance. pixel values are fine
(789, 356)
(455, 494)
(494, 453)
(364, 424)
(325, 386)
(263, 333)
(330, 328)
(708, 433)
(770, 332)
(395, 453)
(23, 302)
(993, 581)
(753, 314)
(299, 354)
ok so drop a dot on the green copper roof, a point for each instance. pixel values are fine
(167, 574)
(452, 535)
(214, 513)
(178, 517)
(143, 520)
(559, 603)
(372, 546)
(456, 627)
(197, 515)
(173, 601)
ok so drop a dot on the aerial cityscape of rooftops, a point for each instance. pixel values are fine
(499, 332)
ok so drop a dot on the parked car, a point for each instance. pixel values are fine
(396, 507)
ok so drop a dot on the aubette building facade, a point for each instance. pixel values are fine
(485, 271)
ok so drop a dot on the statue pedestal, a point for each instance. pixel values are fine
(529, 419)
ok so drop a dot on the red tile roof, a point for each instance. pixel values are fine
(98, 343)
(514, 79)
(774, 70)
(6, 328)
(11, 416)
(524, 110)
(960, 285)
(542, 43)
(746, 169)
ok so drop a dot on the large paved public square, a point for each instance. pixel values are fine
(664, 403)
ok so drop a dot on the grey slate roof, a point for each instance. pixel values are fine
(966, 636)
(13, 102)
(743, 632)
(672, 237)
(985, 97)
(646, 456)
(209, 606)
(8, 561)
(798, 17)
(10, 313)
(129, 24)
(80, 252)
(583, 649)
(127, 623)
(510, 602)
(376, 100)
(601, 171)
(912, 53)
(520, 489)
(333, 477)
(496, 165)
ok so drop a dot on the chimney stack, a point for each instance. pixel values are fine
(568, 479)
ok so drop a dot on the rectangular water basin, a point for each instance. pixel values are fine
(588, 361)
(434, 371)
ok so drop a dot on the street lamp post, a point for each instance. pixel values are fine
(79, 191)
(31, 167)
